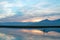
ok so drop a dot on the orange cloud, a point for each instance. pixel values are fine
(53, 17)
(33, 20)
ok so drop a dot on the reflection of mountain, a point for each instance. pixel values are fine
(41, 23)
(29, 34)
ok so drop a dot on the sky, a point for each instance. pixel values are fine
(29, 34)
(29, 10)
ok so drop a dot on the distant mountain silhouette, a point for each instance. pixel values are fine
(45, 22)
(48, 23)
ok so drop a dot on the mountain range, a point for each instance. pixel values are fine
(45, 22)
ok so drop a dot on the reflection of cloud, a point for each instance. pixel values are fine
(52, 33)
(39, 35)
(34, 31)
(32, 34)
(6, 37)
(37, 32)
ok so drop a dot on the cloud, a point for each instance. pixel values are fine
(32, 19)
(31, 10)
(5, 10)
(38, 12)
(6, 37)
